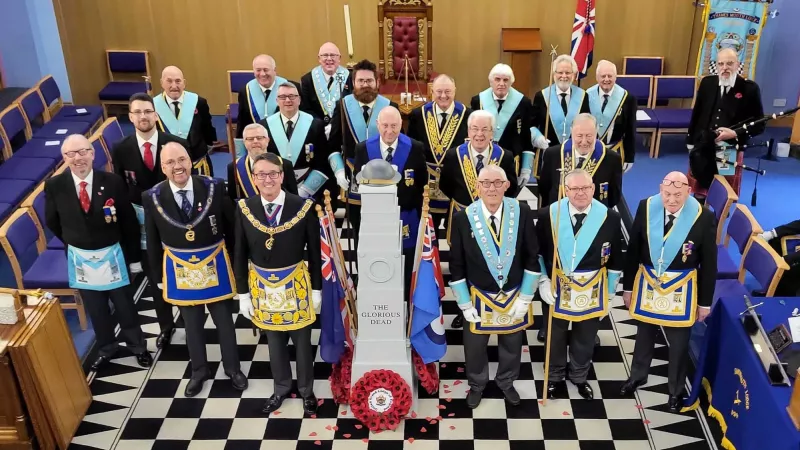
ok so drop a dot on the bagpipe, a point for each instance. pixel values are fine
(729, 159)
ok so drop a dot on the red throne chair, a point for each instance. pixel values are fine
(404, 31)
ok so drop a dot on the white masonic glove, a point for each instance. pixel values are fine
(521, 306)
(546, 290)
(470, 313)
(316, 300)
(541, 142)
(246, 306)
(135, 267)
(341, 180)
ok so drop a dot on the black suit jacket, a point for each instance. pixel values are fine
(128, 164)
(90, 231)
(452, 181)
(713, 110)
(417, 129)
(201, 133)
(310, 101)
(625, 128)
(610, 171)
(235, 191)
(408, 197)
(466, 258)
(161, 232)
(703, 257)
(315, 137)
(289, 245)
(338, 137)
(540, 115)
(610, 232)
(245, 118)
(517, 135)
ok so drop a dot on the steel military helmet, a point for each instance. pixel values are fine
(378, 172)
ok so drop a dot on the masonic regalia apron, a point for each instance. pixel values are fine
(562, 124)
(181, 125)
(579, 294)
(97, 270)
(439, 140)
(361, 130)
(606, 117)
(569, 162)
(661, 296)
(281, 297)
(498, 253)
(470, 177)
(197, 276)
(329, 96)
(140, 218)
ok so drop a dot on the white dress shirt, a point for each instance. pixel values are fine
(439, 112)
(559, 92)
(178, 197)
(270, 88)
(294, 118)
(498, 215)
(676, 214)
(89, 178)
(171, 102)
(573, 210)
(385, 148)
(153, 140)
(279, 200)
(602, 99)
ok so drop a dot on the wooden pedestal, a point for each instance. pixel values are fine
(794, 402)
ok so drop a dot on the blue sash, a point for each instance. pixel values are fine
(179, 126)
(663, 249)
(468, 166)
(571, 248)
(613, 108)
(494, 310)
(245, 177)
(790, 244)
(498, 251)
(328, 97)
(583, 295)
(290, 148)
(440, 141)
(562, 124)
(140, 218)
(281, 297)
(400, 154)
(261, 107)
(97, 270)
(665, 299)
(509, 106)
(355, 117)
(197, 276)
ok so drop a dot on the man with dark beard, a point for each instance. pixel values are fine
(721, 101)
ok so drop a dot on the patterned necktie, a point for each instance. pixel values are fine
(177, 108)
(83, 196)
(365, 108)
(272, 214)
(605, 103)
(289, 129)
(578, 222)
(668, 225)
(479, 165)
(389, 156)
(186, 205)
(493, 224)
(444, 121)
(148, 156)
(564, 103)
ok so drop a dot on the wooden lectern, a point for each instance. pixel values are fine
(521, 43)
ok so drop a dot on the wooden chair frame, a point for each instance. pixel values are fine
(781, 264)
(726, 210)
(148, 75)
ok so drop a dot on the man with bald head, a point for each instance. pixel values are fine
(668, 279)
(721, 101)
(407, 157)
(185, 114)
(324, 85)
(615, 110)
(258, 99)
(89, 211)
(189, 223)
(440, 124)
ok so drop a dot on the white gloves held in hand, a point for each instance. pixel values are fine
(524, 177)
(246, 307)
(546, 290)
(768, 235)
(135, 267)
(541, 142)
(520, 308)
(316, 300)
(341, 180)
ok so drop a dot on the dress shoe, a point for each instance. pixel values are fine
(273, 403)
(512, 396)
(164, 337)
(195, 385)
(238, 380)
(630, 386)
(458, 321)
(674, 403)
(557, 389)
(541, 335)
(474, 398)
(144, 359)
(100, 362)
(585, 390)
(310, 405)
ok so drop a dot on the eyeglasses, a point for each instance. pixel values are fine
(677, 184)
(489, 183)
(483, 130)
(329, 55)
(365, 82)
(180, 161)
(261, 176)
(146, 112)
(290, 97)
(82, 152)
(581, 189)
(255, 138)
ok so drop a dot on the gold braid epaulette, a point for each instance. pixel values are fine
(275, 230)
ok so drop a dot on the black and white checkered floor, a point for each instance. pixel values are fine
(142, 409)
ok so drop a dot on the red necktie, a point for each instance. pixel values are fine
(148, 155)
(83, 196)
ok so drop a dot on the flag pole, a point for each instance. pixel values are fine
(338, 261)
(549, 95)
(423, 225)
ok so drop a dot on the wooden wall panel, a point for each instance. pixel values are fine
(208, 37)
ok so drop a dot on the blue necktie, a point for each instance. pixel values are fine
(186, 205)
(389, 156)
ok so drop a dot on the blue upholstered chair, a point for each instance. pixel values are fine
(764, 263)
(643, 65)
(59, 112)
(673, 120)
(720, 199)
(38, 117)
(641, 87)
(102, 160)
(111, 132)
(14, 129)
(33, 265)
(35, 202)
(127, 70)
(237, 80)
(741, 228)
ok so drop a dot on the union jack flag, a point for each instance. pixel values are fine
(335, 327)
(583, 33)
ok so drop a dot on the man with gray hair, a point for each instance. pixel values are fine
(258, 99)
(555, 107)
(615, 110)
(513, 119)
(242, 183)
(583, 281)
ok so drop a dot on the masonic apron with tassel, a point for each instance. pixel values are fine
(661, 296)
(439, 141)
(281, 296)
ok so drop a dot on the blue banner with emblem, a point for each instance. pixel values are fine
(731, 24)
(197, 276)
(97, 270)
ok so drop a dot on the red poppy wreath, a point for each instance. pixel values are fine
(427, 374)
(380, 400)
